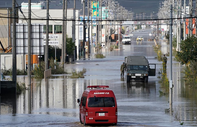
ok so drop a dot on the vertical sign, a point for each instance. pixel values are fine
(95, 8)
(187, 26)
(104, 12)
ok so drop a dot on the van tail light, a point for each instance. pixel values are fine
(86, 112)
(116, 111)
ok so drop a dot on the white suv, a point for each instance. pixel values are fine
(126, 40)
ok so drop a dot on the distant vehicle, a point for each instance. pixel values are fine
(138, 68)
(103, 44)
(98, 106)
(139, 38)
(126, 39)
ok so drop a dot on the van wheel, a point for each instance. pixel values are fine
(84, 122)
(128, 79)
(80, 118)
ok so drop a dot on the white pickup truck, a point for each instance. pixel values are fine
(126, 39)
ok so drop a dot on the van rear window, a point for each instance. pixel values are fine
(101, 102)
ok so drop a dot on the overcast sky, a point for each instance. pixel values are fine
(136, 6)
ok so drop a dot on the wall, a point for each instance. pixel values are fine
(55, 19)
(6, 61)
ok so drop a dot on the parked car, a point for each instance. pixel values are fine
(98, 106)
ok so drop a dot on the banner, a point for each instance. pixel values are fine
(95, 8)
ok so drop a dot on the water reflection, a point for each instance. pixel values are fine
(50, 94)
(8, 104)
(184, 98)
(141, 88)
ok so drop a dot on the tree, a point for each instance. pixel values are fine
(70, 47)
(188, 51)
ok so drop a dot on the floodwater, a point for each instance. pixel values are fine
(52, 102)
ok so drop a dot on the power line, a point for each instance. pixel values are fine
(151, 19)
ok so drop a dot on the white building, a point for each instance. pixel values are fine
(38, 16)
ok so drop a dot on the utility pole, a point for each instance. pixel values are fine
(101, 18)
(109, 27)
(29, 53)
(179, 25)
(122, 17)
(88, 25)
(97, 32)
(184, 25)
(29, 42)
(14, 51)
(190, 15)
(63, 28)
(84, 30)
(106, 26)
(73, 23)
(119, 29)
(14, 41)
(170, 81)
(91, 24)
(47, 37)
(64, 31)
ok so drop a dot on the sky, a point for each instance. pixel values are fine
(136, 6)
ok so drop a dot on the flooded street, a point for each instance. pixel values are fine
(53, 101)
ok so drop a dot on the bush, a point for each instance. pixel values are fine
(18, 72)
(38, 71)
(190, 73)
(55, 67)
(78, 74)
(20, 88)
(7, 72)
(158, 51)
(188, 50)
(116, 47)
(174, 42)
(111, 48)
(99, 55)
(164, 83)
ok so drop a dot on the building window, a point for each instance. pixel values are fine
(58, 29)
(50, 29)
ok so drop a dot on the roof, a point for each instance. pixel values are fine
(98, 90)
(137, 60)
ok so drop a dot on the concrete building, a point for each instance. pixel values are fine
(38, 16)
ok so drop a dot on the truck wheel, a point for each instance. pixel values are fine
(128, 79)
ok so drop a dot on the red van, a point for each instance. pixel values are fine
(98, 106)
